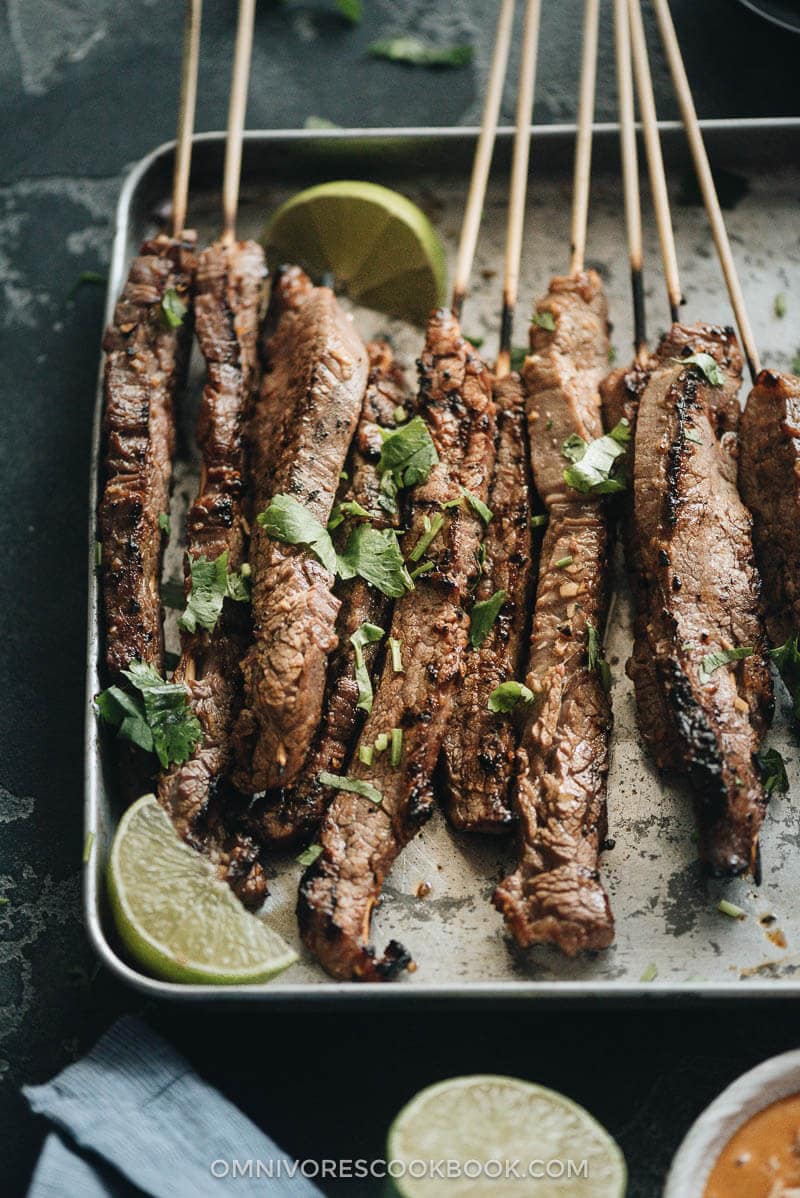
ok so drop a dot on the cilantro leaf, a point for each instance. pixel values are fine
(707, 365)
(353, 785)
(408, 453)
(507, 695)
(374, 554)
(478, 506)
(172, 309)
(594, 656)
(432, 529)
(517, 358)
(483, 616)
(721, 657)
(211, 585)
(416, 53)
(238, 585)
(288, 521)
(594, 464)
(309, 855)
(367, 634)
(158, 719)
(773, 771)
(787, 661)
(163, 522)
(544, 320)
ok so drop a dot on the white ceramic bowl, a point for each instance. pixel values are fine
(775, 1079)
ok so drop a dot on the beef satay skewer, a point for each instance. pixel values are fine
(769, 448)
(699, 665)
(479, 745)
(482, 161)
(388, 793)
(147, 349)
(555, 895)
(229, 286)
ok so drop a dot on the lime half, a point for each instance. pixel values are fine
(380, 248)
(174, 915)
(498, 1137)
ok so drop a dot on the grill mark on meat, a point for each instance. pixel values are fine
(145, 365)
(227, 310)
(311, 393)
(555, 894)
(360, 840)
(691, 529)
(480, 746)
(295, 812)
(769, 477)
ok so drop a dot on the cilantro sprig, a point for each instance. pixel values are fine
(483, 616)
(158, 719)
(708, 367)
(212, 584)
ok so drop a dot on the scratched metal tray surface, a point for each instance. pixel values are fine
(671, 940)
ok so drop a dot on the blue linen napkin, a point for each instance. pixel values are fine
(132, 1118)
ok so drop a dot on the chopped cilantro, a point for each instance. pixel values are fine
(349, 508)
(309, 855)
(396, 752)
(367, 634)
(773, 771)
(288, 521)
(163, 522)
(478, 506)
(417, 53)
(594, 464)
(707, 365)
(432, 530)
(381, 742)
(211, 585)
(725, 907)
(483, 616)
(397, 660)
(544, 320)
(172, 309)
(374, 554)
(158, 719)
(408, 453)
(539, 521)
(594, 656)
(353, 785)
(721, 657)
(365, 754)
(563, 562)
(507, 695)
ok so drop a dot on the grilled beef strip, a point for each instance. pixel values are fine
(229, 289)
(479, 746)
(555, 895)
(360, 839)
(295, 812)
(769, 480)
(699, 593)
(311, 393)
(145, 365)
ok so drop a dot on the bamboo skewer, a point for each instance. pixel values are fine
(583, 141)
(483, 157)
(519, 181)
(186, 110)
(236, 117)
(655, 160)
(706, 181)
(630, 173)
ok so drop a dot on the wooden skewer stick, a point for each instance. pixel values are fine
(706, 181)
(519, 181)
(483, 156)
(186, 107)
(236, 116)
(630, 172)
(583, 141)
(655, 160)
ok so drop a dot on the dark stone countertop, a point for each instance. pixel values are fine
(88, 87)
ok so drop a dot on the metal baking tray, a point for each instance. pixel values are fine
(672, 942)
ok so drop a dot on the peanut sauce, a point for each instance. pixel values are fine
(762, 1160)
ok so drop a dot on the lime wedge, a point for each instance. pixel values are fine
(380, 248)
(174, 915)
(499, 1137)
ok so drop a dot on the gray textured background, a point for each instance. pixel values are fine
(87, 87)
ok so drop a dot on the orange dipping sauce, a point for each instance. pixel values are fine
(763, 1158)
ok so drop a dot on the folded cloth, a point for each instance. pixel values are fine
(133, 1118)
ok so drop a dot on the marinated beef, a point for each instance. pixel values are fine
(360, 838)
(479, 745)
(295, 811)
(311, 393)
(230, 282)
(698, 592)
(145, 365)
(555, 895)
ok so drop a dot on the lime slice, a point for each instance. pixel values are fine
(379, 247)
(498, 1137)
(174, 915)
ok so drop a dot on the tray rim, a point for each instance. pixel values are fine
(328, 993)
